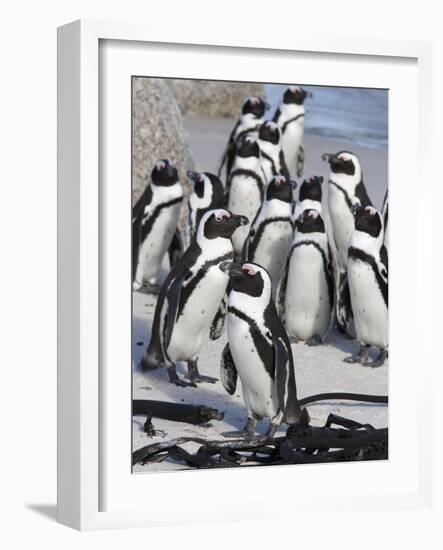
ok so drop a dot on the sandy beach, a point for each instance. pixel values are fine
(317, 370)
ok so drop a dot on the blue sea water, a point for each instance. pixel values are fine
(357, 115)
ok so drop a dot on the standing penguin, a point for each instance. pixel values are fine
(385, 214)
(189, 298)
(246, 187)
(251, 117)
(346, 191)
(368, 285)
(258, 351)
(208, 193)
(273, 159)
(154, 223)
(309, 196)
(308, 287)
(290, 116)
(271, 232)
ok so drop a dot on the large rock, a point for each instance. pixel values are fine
(158, 132)
(212, 98)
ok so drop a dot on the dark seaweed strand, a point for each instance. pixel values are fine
(147, 226)
(325, 264)
(248, 174)
(192, 284)
(357, 254)
(264, 348)
(267, 157)
(293, 119)
(260, 230)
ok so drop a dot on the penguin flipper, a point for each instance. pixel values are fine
(281, 371)
(228, 371)
(173, 299)
(176, 248)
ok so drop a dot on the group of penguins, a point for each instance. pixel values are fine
(260, 261)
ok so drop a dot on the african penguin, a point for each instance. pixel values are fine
(273, 159)
(290, 116)
(309, 196)
(270, 238)
(385, 214)
(154, 223)
(246, 186)
(346, 191)
(309, 291)
(258, 351)
(368, 285)
(190, 297)
(207, 194)
(251, 116)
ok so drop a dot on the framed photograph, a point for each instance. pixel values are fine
(233, 272)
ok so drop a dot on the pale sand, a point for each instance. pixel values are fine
(318, 369)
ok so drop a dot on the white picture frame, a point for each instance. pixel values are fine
(82, 204)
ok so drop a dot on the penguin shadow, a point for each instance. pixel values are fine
(204, 394)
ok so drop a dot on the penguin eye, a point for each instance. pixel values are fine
(279, 180)
(222, 216)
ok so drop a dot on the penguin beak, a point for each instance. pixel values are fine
(240, 220)
(231, 268)
(193, 176)
(327, 157)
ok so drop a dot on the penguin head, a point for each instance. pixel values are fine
(248, 278)
(295, 94)
(311, 189)
(343, 162)
(219, 223)
(247, 146)
(269, 131)
(281, 188)
(204, 182)
(255, 106)
(368, 220)
(310, 221)
(164, 173)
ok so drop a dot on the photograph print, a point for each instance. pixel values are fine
(260, 242)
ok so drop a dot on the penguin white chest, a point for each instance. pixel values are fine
(258, 388)
(291, 141)
(192, 325)
(156, 244)
(244, 199)
(342, 222)
(307, 305)
(368, 306)
(273, 249)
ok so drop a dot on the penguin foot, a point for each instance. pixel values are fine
(382, 356)
(194, 376)
(202, 378)
(247, 433)
(360, 357)
(314, 341)
(150, 289)
(174, 379)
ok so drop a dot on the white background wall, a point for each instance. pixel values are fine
(28, 253)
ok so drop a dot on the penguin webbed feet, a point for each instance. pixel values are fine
(195, 377)
(174, 378)
(381, 358)
(247, 433)
(149, 288)
(360, 357)
(314, 341)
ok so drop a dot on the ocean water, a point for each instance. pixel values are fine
(356, 115)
